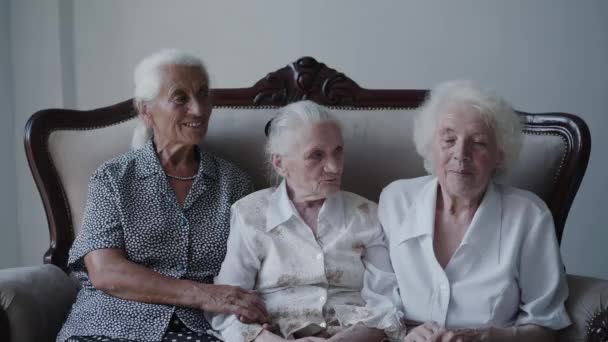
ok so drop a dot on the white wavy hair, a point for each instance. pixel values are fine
(493, 109)
(286, 126)
(148, 77)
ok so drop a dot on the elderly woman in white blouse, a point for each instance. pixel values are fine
(315, 254)
(474, 259)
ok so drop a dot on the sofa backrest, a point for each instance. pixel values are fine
(64, 147)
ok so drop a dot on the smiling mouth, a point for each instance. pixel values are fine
(193, 124)
(461, 172)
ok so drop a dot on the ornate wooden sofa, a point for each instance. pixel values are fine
(65, 146)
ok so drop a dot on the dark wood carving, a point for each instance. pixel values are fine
(304, 79)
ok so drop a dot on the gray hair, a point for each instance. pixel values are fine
(286, 124)
(494, 110)
(148, 76)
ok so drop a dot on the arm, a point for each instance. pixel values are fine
(380, 289)
(99, 251)
(522, 333)
(542, 280)
(240, 268)
(111, 272)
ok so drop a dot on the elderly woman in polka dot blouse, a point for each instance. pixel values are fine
(157, 220)
(316, 254)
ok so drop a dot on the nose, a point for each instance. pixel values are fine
(333, 165)
(461, 151)
(199, 108)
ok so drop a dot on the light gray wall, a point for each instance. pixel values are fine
(9, 255)
(546, 55)
(38, 84)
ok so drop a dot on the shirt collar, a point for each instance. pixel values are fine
(419, 219)
(487, 216)
(148, 164)
(281, 209)
(486, 221)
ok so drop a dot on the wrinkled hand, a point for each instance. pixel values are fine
(226, 299)
(464, 335)
(432, 332)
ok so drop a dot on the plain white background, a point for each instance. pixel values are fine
(543, 55)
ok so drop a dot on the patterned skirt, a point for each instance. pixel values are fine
(176, 332)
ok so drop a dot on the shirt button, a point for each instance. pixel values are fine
(319, 256)
(323, 325)
(184, 221)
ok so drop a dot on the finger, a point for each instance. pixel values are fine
(437, 335)
(252, 298)
(424, 333)
(432, 326)
(250, 314)
(448, 336)
(246, 320)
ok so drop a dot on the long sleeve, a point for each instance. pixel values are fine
(240, 268)
(542, 278)
(380, 289)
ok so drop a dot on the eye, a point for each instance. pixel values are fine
(339, 151)
(315, 155)
(203, 92)
(180, 99)
(480, 143)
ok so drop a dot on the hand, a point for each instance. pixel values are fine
(468, 335)
(226, 299)
(427, 332)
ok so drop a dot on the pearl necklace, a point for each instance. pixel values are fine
(181, 178)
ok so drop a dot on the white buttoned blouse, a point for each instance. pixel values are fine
(507, 270)
(324, 280)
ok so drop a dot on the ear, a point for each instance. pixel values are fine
(279, 165)
(144, 113)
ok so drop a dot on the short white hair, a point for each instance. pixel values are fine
(500, 118)
(285, 127)
(147, 78)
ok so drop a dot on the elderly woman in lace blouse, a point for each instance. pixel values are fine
(316, 254)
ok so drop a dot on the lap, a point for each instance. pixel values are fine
(176, 332)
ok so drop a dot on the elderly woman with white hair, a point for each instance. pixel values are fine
(157, 220)
(474, 259)
(315, 254)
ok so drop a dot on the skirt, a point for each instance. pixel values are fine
(176, 332)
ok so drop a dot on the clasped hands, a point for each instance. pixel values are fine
(432, 332)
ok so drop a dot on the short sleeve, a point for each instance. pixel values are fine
(542, 277)
(101, 227)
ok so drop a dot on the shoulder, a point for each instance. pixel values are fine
(252, 208)
(117, 168)
(404, 191)
(254, 199)
(357, 203)
(520, 200)
(224, 168)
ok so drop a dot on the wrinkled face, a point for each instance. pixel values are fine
(179, 115)
(313, 166)
(465, 152)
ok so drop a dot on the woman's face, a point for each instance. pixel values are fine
(465, 152)
(179, 115)
(313, 166)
